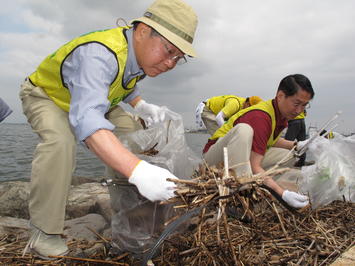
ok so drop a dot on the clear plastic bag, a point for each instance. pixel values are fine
(332, 177)
(138, 222)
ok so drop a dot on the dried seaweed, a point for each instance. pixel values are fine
(262, 233)
(272, 235)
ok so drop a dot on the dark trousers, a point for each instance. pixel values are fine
(297, 130)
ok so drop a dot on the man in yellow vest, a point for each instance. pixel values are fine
(218, 109)
(73, 96)
(296, 130)
(252, 136)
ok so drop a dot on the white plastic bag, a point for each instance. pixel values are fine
(169, 139)
(332, 177)
(137, 222)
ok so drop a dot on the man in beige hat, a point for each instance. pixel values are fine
(73, 95)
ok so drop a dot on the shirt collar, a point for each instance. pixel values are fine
(132, 69)
(278, 117)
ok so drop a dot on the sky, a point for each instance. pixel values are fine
(244, 48)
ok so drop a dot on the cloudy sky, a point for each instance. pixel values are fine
(244, 48)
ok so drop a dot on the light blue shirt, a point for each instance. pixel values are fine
(88, 73)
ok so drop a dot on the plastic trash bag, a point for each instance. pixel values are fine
(169, 139)
(198, 119)
(138, 222)
(332, 177)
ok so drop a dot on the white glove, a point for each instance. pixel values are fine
(151, 181)
(220, 118)
(300, 147)
(301, 144)
(294, 199)
(152, 113)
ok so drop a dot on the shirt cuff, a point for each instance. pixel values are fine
(91, 123)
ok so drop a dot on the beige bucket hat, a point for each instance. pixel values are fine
(175, 20)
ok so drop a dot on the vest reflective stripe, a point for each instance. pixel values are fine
(217, 103)
(265, 106)
(48, 74)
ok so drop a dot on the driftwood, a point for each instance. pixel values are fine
(261, 231)
(150, 152)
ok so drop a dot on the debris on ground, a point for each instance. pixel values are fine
(240, 223)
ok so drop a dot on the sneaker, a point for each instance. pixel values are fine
(45, 245)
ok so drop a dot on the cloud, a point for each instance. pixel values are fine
(244, 48)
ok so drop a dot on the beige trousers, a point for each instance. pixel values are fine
(239, 142)
(209, 119)
(54, 157)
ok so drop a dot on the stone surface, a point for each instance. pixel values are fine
(83, 199)
(347, 258)
(85, 228)
(88, 213)
(14, 199)
(88, 198)
(14, 222)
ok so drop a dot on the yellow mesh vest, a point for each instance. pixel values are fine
(217, 103)
(265, 106)
(300, 116)
(48, 74)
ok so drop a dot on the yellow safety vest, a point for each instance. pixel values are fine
(49, 77)
(330, 135)
(300, 116)
(265, 106)
(217, 103)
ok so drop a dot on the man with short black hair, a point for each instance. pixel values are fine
(253, 135)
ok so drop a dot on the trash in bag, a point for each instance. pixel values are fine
(138, 222)
(332, 177)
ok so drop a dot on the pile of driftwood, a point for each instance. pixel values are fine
(239, 223)
(260, 230)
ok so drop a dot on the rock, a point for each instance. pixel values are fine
(14, 226)
(88, 198)
(90, 227)
(14, 199)
(79, 228)
(78, 180)
(83, 199)
(14, 222)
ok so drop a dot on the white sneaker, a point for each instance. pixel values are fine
(44, 245)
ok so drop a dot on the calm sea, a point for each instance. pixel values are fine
(17, 144)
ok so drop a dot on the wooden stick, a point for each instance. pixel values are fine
(278, 216)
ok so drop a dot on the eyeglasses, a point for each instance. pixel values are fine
(176, 59)
(303, 106)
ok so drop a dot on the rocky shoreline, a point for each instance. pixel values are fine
(88, 206)
(88, 213)
(87, 225)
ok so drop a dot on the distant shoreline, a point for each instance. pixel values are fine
(187, 130)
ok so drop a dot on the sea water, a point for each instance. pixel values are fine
(17, 144)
